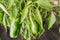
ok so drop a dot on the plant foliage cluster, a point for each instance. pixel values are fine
(27, 17)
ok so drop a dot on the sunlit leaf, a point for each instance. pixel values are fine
(24, 13)
(4, 21)
(15, 28)
(51, 20)
(38, 18)
(4, 9)
(34, 25)
(45, 4)
(14, 12)
(10, 3)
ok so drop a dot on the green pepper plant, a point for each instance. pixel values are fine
(27, 17)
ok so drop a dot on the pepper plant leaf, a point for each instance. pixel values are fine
(45, 4)
(4, 9)
(15, 28)
(51, 20)
(1, 17)
(10, 3)
(34, 25)
(38, 18)
(24, 13)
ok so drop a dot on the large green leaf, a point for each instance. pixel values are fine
(14, 12)
(38, 18)
(15, 28)
(34, 25)
(51, 20)
(45, 4)
(24, 12)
